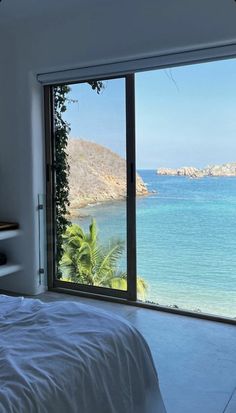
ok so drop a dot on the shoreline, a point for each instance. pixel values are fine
(74, 212)
(208, 309)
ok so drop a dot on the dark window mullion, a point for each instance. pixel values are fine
(131, 188)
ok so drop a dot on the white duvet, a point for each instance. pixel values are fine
(65, 357)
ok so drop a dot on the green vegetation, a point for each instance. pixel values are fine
(86, 261)
(62, 130)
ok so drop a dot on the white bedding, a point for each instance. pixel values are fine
(65, 357)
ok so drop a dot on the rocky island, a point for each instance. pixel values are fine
(96, 174)
(227, 169)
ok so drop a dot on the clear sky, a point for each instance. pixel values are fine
(184, 116)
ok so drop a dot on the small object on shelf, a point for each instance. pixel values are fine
(3, 259)
(5, 226)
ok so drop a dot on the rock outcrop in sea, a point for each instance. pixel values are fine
(227, 169)
(97, 174)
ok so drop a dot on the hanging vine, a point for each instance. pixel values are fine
(62, 168)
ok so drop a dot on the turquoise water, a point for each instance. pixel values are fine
(186, 239)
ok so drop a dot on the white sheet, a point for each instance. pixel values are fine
(65, 357)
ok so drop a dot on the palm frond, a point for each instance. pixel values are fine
(86, 261)
(111, 254)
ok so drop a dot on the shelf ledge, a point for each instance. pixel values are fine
(9, 268)
(11, 233)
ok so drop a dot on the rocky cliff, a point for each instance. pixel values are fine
(227, 169)
(96, 174)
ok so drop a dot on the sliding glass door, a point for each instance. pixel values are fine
(181, 196)
(91, 186)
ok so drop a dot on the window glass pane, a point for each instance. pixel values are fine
(186, 234)
(94, 243)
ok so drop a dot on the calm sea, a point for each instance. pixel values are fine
(186, 238)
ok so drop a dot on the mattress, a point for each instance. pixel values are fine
(66, 357)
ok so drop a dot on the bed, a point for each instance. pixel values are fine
(67, 357)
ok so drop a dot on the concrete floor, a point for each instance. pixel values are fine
(195, 359)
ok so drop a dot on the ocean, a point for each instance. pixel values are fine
(186, 240)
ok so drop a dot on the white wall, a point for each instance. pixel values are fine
(106, 32)
(17, 193)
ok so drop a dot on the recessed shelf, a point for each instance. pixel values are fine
(9, 234)
(9, 268)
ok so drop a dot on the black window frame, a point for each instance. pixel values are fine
(128, 297)
(131, 293)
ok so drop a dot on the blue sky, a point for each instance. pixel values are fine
(184, 116)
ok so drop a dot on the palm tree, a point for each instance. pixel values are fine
(85, 261)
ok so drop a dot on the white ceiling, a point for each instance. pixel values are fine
(150, 25)
(23, 9)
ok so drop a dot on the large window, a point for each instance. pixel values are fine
(170, 206)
